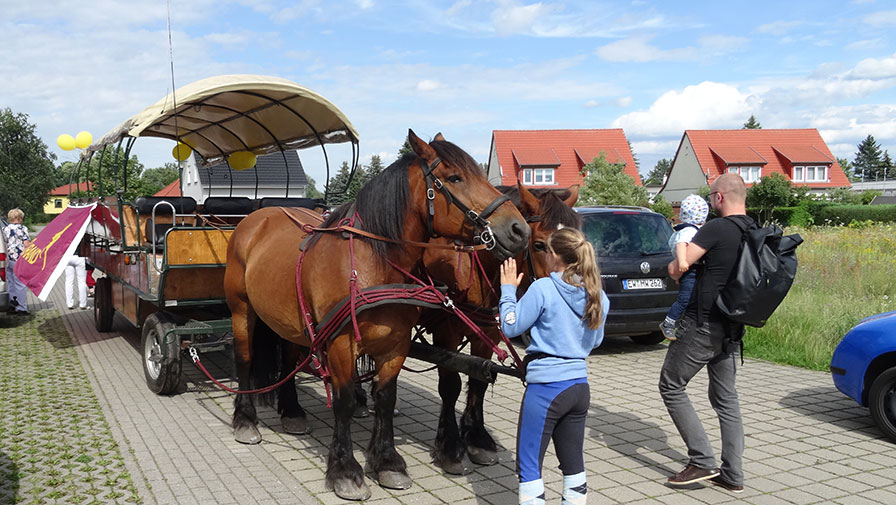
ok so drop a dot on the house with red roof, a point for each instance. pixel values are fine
(801, 155)
(554, 158)
(60, 197)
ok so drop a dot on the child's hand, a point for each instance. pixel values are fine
(683, 265)
(508, 273)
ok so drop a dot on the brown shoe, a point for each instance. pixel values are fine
(734, 488)
(692, 474)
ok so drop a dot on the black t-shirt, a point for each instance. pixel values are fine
(721, 238)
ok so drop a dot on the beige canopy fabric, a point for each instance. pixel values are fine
(221, 115)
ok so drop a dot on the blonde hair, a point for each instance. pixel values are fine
(15, 215)
(570, 245)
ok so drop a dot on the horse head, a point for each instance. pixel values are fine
(546, 210)
(460, 203)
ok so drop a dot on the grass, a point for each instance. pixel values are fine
(844, 275)
(55, 443)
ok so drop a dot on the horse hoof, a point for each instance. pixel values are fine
(295, 425)
(348, 490)
(360, 411)
(247, 435)
(455, 467)
(393, 480)
(482, 456)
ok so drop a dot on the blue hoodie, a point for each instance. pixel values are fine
(553, 310)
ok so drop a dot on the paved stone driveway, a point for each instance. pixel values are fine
(806, 442)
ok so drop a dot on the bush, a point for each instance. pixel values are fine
(839, 215)
(661, 206)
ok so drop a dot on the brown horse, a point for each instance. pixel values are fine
(438, 189)
(545, 210)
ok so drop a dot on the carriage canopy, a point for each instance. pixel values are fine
(225, 114)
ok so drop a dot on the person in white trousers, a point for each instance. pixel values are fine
(76, 274)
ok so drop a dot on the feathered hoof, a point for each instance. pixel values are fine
(455, 467)
(347, 490)
(482, 456)
(295, 425)
(247, 435)
(393, 480)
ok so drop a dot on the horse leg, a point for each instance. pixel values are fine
(448, 451)
(481, 447)
(245, 418)
(390, 468)
(292, 415)
(344, 474)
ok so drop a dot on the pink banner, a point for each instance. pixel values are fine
(41, 263)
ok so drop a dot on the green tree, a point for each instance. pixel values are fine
(844, 196)
(752, 124)
(374, 168)
(659, 172)
(26, 168)
(886, 166)
(661, 206)
(111, 175)
(343, 186)
(607, 184)
(634, 157)
(847, 168)
(311, 191)
(152, 180)
(868, 159)
(770, 192)
(405, 148)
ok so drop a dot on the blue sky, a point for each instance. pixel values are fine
(467, 67)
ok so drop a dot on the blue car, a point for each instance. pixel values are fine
(864, 368)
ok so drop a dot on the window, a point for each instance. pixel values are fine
(538, 176)
(58, 203)
(749, 174)
(810, 173)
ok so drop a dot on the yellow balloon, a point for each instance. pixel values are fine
(83, 139)
(181, 151)
(242, 160)
(65, 142)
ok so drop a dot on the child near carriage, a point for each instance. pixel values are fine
(565, 313)
(692, 215)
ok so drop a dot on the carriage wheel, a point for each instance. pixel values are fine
(162, 373)
(103, 312)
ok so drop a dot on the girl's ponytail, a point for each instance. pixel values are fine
(581, 270)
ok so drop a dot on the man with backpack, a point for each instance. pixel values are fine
(705, 337)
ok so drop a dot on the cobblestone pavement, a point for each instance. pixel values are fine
(806, 442)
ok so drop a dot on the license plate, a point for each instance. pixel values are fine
(643, 284)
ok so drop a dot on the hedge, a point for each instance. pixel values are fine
(826, 213)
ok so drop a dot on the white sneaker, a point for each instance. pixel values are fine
(668, 330)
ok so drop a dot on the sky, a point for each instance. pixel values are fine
(466, 68)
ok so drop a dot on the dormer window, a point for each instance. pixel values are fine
(538, 176)
(810, 173)
(749, 174)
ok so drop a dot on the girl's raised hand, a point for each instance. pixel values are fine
(508, 273)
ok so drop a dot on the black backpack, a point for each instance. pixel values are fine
(762, 275)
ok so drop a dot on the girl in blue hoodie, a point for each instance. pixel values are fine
(565, 313)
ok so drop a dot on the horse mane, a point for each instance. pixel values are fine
(554, 212)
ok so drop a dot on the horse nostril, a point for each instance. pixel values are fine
(520, 231)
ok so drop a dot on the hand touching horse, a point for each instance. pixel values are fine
(438, 189)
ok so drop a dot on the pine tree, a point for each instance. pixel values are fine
(868, 159)
(886, 166)
(752, 124)
(659, 172)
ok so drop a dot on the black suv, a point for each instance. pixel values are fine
(632, 247)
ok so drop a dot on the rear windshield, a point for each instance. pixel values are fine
(626, 235)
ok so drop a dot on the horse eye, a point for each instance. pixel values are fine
(539, 246)
(454, 178)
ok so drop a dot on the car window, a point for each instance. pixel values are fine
(627, 234)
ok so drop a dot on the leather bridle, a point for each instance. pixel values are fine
(479, 220)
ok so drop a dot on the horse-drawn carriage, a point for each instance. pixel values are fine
(201, 273)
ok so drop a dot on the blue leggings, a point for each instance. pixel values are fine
(552, 410)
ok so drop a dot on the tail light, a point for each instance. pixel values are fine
(3, 270)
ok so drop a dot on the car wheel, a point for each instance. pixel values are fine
(882, 402)
(649, 339)
(162, 373)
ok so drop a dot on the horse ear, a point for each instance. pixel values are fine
(573, 196)
(439, 136)
(530, 203)
(420, 147)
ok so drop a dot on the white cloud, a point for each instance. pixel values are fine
(640, 50)
(864, 45)
(881, 19)
(427, 85)
(874, 69)
(364, 4)
(707, 105)
(624, 101)
(590, 104)
(778, 27)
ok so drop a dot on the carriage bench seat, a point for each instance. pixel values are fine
(227, 205)
(308, 203)
(164, 220)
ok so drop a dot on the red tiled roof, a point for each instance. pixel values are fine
(780, 148)
(67, 189)
(802, 154)
(172, 189)
(733, 155)
(572, 148)
(535, 157)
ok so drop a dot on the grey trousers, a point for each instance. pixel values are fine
(695, 348)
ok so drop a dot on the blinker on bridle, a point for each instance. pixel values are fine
(479, 220)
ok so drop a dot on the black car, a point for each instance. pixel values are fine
(632, 247)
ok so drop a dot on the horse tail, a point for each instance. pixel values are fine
(266, 357)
